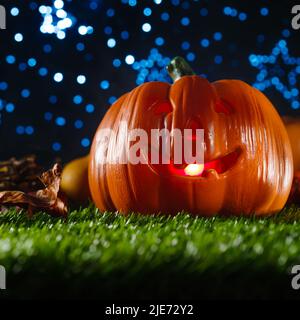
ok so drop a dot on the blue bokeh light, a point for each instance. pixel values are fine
(93, 5)
(129, 59)
(242, 16)
(165, 16)
(218, 36)
(81, 79)
(18, 37)
(14, 11)
(146, 27)
(85, 142)
(3, 85)
(185, 45)
(58, 77)
(56, 146)
(60, 121)
(286, 33)
(110, 12)
(32, 62)
(147, 12)
(80, 46)
(20, 130)
(29, 130)
(47, 48)
(295, 105)
(264, 11)
(10, 107)
(159, 41)
(61, 35)
(185, 21)
(227, 11)
(204, 43)
(132, 3)
(10, 59)
(203, 12)
(43, 71)
(58, 4)
(124, 35)
(25, 93)
(78, 124)
(48, 116)
(112, 99)
(111, 43)
(104, 85)
(53, 99)
(77, 99)
(190, 56)
(108, 30)
(89, 108)
(218, 59)
(22, 66)
(82, 30)
(117, 63)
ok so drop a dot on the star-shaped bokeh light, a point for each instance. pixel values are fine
(272, 73)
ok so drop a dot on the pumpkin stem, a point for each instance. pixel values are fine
(178, 68)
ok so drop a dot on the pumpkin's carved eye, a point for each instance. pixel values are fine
(223, 106)
(164, 107)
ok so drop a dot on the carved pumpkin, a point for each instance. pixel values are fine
(248, 161)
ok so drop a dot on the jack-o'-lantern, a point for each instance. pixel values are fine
(248, 166)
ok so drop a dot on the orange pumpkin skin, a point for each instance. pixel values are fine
(293, 130)
(258, 182)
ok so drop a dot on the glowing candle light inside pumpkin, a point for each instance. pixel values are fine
(194, 169)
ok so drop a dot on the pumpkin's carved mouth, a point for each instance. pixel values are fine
(214, 167)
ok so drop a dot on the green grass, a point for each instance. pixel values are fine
(93, 255)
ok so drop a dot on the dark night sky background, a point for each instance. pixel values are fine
(57, 119)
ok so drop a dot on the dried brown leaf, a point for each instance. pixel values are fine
(47, 199)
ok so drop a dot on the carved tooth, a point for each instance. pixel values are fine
(211, 174)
